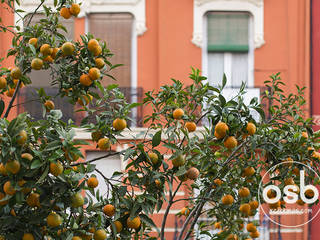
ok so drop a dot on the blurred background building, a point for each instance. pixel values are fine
(161, 39)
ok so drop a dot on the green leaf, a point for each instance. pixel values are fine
(1, 106)
(148, 221)
(224, 80)
(156, 139)
(36, 164)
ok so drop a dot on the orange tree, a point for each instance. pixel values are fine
(43, 185)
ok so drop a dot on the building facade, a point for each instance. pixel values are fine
(161, 39)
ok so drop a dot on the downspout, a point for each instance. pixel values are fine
(311, 97)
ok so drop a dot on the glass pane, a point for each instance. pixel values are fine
(228, 32)
(215, 68)
(239, 69)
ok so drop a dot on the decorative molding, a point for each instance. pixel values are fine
(316, 120)
(135, 7)
(255, 7)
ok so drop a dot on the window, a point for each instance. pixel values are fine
(229, 48)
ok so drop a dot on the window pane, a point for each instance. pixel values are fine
(239, 68)
(215, 68)
(228, 32)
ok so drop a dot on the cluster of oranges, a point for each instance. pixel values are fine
(73, 10)
(10, 82)
(178, 114)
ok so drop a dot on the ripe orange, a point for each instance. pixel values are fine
(45, 49)
(3, 82)
(97, 51)
(54, 220)
(254, 204)
(92, 44)
(33, 41)
(92, 182)
(217, 225)
(271, 194)
(36, 64)
(2, 203)
(217, 181)
(179, 161)
(221, 130)
(85, 101)
(232, 237)
(10, 92)
(76, 238)
(227, 199)
(16, 73)
(300, 202)
(67, 48)
(244, 192)
(275, 205)
(54, 52)
(191, 126)
(153, 157)
(75, 9)
(48, 59)
(178, 113)
(77, 200)
(100, 234)
(13, 166)
(56, 168)
(119, 124)
(255, 234)
(251, 227)
(49, 105)
(230, 142)
(27, 236)
(65, 13)
(134, 223)
(193, 173)
(3, 170)
(249, 171)
(94, 73)
(33, 200)
(22, 137)
(309, 193)
(85, 80)
(289, 181)
(109, 210)
(304, 134)
(104, 143)
(99, 63)
(27, 156)
(185, 211)
(8, 189)
(118, 226)
(157, 182)
(95, 136)
(251, 128)
(245, 208)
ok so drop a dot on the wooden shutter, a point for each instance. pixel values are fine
(116, 30)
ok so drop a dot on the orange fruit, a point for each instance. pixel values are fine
(300, 202)
(217, 225)
(232, 237)
(221, 130)
(85, 80)
(22, 137)
(289, 181)
(67, 48)
(157, 182)
(45, 49)
(3, 82)
(13, 166)
(33, 41)
(249, 171)
(97, 51)
(16, 73)
(3, 170)
(118, 226)
(178, 113)
(33, 200)
(56, 168)
(191, 126)
(244, 192)
(65, 13)
(100, 234)
(10, 92)
(86, 100)
(309, 193)
(15, 82)
(254, 204)
(217, 181)
(2, 203)
(304, 134)
(94, 73)
(48, 59)
(54, 220)
(49, 105)
(92, 44)
(251, 227)
(76, 238)
(134, 223)
(245, 208)
(99, 63)
(8, 189)
(36, 64)
(275, 205)
(119, 124)
(104, 143)
(27, 156)
(230, 142)
(27, 236)
(251, 128)
(54, 52)
(185, 211)
(153, 157)
(193, 173)
(179, 161)
(77, 200)
(92, 182)
(255, 234)
(75, 9)
(109, 210)
(95, 136)
(227, 199)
